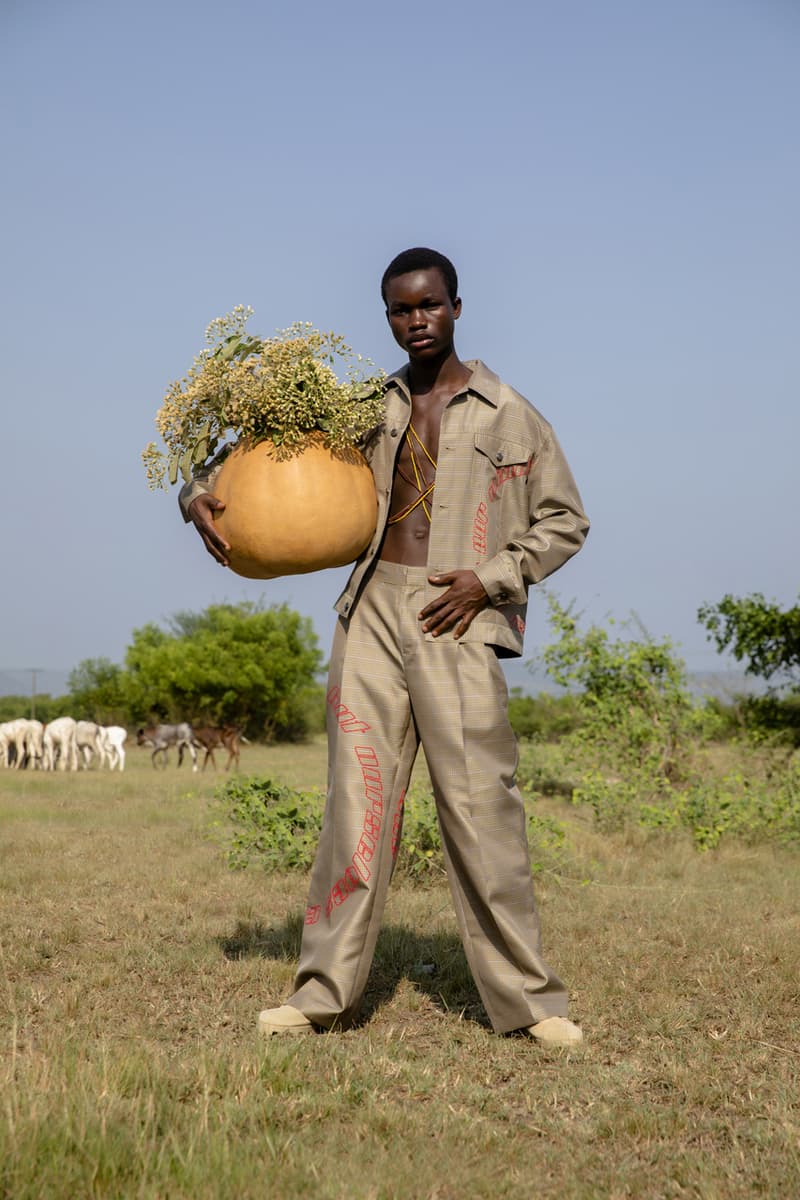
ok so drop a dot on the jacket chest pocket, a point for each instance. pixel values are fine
(500, 460)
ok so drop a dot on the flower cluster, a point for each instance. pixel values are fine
(281, 389)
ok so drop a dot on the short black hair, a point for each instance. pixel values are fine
(420, 258)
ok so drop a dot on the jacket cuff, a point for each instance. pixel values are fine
(500, 581)
(188, 493)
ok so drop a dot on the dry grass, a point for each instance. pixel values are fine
(134, 964)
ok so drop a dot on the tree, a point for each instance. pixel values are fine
(243, 664)
(759, 632)
(97, 691)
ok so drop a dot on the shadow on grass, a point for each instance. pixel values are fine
(434, 963)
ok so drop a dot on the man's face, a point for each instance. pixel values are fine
(421, 314)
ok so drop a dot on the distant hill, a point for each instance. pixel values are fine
(19, 682)
(724, 685)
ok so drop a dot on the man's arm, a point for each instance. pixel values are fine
(198, 504)
(557, 531)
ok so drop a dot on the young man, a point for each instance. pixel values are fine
(475, 503)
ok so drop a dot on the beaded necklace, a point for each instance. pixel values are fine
(419, 481)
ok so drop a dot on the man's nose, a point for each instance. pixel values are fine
(417, 318)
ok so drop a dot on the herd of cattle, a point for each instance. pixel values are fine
(69, 745)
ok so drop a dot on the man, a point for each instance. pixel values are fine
(475, 503)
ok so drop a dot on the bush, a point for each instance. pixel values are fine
(420, 856)
(751, 804)
(274, 826)
(264, 823)
(544, 717)
(635, 707)
(772, 718)
(46, 708)
(750, 809)
(635, 753)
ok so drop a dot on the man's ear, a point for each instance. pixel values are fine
(456, 308)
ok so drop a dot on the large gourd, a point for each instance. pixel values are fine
(288, 512)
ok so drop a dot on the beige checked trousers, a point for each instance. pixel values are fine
(390, 689)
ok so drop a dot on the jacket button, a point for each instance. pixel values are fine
(394, 433)
(499, 457)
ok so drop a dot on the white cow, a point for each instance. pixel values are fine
(90, 740)
(114, 737)
(61, 744)
(14, 747)
(6, 741)
(34, 743)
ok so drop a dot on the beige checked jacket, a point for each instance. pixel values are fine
(505, 504)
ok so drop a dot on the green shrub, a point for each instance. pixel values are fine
(545, 769)
(272, 825)
(544, 717)
(750, 809)
(420, 853)
(45, 707)
(420, 856)
(634, 756)
(772, 718)
(723, 719)
(637, 713)
(748, 805)
(769, 718)
(547, 843)
(266, 824)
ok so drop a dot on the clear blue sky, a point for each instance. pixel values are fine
(617, 183)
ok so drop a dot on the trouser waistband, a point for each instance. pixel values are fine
(399, 574)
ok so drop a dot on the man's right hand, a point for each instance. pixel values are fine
(200, 514)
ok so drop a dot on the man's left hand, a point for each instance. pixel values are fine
(457, 607)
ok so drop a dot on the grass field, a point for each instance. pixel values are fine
(134, 963)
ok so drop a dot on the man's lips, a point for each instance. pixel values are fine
(423, 340)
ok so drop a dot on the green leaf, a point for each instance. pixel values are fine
(186, 466)
(200, 452)
(173, 468)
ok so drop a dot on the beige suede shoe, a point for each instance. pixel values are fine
(283, 1020)
(555, 1031)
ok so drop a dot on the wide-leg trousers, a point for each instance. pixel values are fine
(391, 688)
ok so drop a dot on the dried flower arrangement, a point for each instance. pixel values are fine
(279, 389)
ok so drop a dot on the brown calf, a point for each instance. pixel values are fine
(214, 737)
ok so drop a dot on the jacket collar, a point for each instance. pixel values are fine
(482, 382)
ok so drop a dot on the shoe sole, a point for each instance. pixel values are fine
(554, 1045)
(288, 1030)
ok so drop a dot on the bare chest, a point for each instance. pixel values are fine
(420, 447)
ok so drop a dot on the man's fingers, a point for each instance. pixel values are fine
(201, 512)
(216, 548)
(445, 619)
(457, 606)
